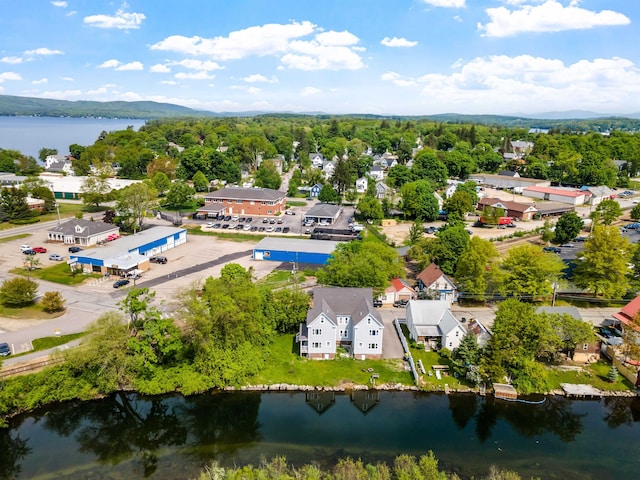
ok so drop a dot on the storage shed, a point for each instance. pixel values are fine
(294, 250)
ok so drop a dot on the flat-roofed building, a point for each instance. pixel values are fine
(248, 201)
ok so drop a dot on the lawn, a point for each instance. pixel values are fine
(14, 237)
(286, 366)
(51, 342)
(59, 273)
(281, 278)
(232, 236)
(32, 312)
(594, 374)
(293, 203)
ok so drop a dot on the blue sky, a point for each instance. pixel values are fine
(407, 57)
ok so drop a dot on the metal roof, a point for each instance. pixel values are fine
(297, 245)
(323, 210)
(239, 193)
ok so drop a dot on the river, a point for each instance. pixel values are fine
(29, 134)
(172, 437)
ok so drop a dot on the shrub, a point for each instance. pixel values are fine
(18, 292)
(52, 302)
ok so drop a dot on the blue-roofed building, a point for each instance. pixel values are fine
(294, 250)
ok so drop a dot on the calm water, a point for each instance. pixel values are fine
(29, 134)
(127, 436)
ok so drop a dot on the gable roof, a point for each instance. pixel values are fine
(87, 228)
(573, 311)
(508, 204)
(334, 301)
(508, 173)
(556, 191)
(238, 193)
(397, 284)
(630, 310)
(430, 274)
(429, 316)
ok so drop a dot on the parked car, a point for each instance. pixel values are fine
(261, 229)
(285, 229)
(227, 218)
(5, 351)
(158, 259)
(75, 249)
(377, 302)
(270, 229)
(210, 225)
(25, 247)
(249, 219)
(272, 221)
(400, 303)
(289, 212)
(580, 239)
(235, 218)
(121, 283)
(55, 257)
(39, 249)
(511, 225)
(265, 220)
(217, 225)
(225, 226)
(247, 227)
(280, 220)
(552, 249)
(29, 252)
(278, 229)
(430, 230)
(567, 245)
(254, 228)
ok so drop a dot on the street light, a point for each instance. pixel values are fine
(553, 299)
(58, 210)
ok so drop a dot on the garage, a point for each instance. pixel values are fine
(294, 250)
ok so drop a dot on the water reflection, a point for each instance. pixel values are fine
(320, 401)
(12, 450)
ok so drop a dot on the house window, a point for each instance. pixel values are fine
(585, 346)
(450, 344)
(457, 332)
(269, 212)
(328, 344)
(238, 201)
(373, 346)
(315, 345)
(360, 344)
(369, 321)
(373, 333)
(317, 331)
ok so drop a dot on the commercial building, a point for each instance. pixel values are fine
(323, 213)
(247, 201)
(521, 211)
(129, 253)
(571, 196)
(85, 233)
(294, 250)
(505, 181)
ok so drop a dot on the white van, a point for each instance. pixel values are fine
(25, 247)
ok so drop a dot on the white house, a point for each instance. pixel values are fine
(362, 184)
(328, 167)
(316, 159)
(435, 283)
(431, 322)
(376, 173)
(341, 317)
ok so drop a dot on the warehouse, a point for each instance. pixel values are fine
(293, 250)
(129, 253)
(323, 213)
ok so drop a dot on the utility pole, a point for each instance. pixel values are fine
(58, 210)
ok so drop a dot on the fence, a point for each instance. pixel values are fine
(405, 347)
(625, 371)
(29, 367)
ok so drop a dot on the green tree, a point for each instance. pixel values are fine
(613, 375)
(133, 202)
(180, 194)
(603, 267)
(527, 271)
(95, 190)
(136, 306)
(287, 307)
(492, 215)
(399, 175)
(161, 183)
(418, 201)
(607, 211)
(635, 212)
(444, 250)
(200, 182)
(43, 153)
(45, 193)
(548, 231)
(328, 194)
(458, 205)
(473, 271)
(342, 177)
(426, 166)
(370, 208)
(568, 227)
(13, 203)
(52, 302)
(466, 355)
(415, 232)
(18, 292)
(267, 175)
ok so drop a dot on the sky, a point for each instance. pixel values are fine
(386, 57)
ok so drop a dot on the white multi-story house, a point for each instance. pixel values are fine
(376, 173)
(362, 184)
(341, 317)
(431, 323)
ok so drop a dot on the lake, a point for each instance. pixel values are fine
(29, 134)
(172, 437)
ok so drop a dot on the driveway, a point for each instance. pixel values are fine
(391, 346)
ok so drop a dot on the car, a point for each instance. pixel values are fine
(254, 228)
(113, 236)
(261, 229)
(278, 230)
(272, 221)
(225, 226)
(285, 230)
(265, 220)
(400, 303)
(158, 259)
(227, 218)
(249, 219)
(210, 225)
(280, 220)
(75, 249)
(511, 225)
(235, 218)
(289, 212)
(25, 247)
(430, 230)
(580, 239)
(39, 249)
(270, 229)
(29, 252)
(217, 225)
(5, 351)
(552, 249)
(633, 226)
(242, 219)
(121, 283)
(502, 227)
(55, 257)
(567, 245)
(247, 227)
(377, 302)
(239, 226)
(307, 231)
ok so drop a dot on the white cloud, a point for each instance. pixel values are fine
(62, 94)
(130, 66)
(169, 82)
(398, 42)
(71, 13)
(324, 53)
(253, 90)
(40, 82)
(12, 60)
(551, 16)
(159, 68)
(257, 78)
(262, 40)
(59, 4)
(334, 39)
(397, 80)
(308, 91)
(113, 63)
(121, 20)
(194, 76)
(68, 79)
(9, 76)
(43, 51)
(98, 91)
(445, 3)
(192, 64)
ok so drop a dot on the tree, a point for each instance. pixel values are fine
(527, 271)
(52, 302)
(415, 232)
(399, 175)
(444, 250)
(568, 227)
(473, 271)
(607, 211)
(133, 202)
(603, 267)
(45, 193)
(13, 203)
(342, 177)
(267, 175)
(613, 375)
(426, 166)
(161, 183)
(548, 231)
(370, 208)
(287, 307)
(180, 194)
(200, 182)
(18, 292)
(635, 212)
(136, 306)
(43, 153)
(328, 194)
(418, 201)
(95, 190)
(458, 205)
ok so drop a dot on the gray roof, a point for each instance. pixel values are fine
(211, 207)
(89, 228)
(323, 210)
(238, 193)
(125, 245)
(431, 316)
(573, 311)
(333, 301)
(297, 245)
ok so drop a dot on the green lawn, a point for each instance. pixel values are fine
(594, 374)
(281, 278)
(59, 273)
(286, 366)
(31, 312)
(232, 236)
(294, 203)
(14, 237)
(51, 342)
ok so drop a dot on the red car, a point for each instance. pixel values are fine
(39, 249)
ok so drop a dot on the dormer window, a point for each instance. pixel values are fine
(79, 229)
